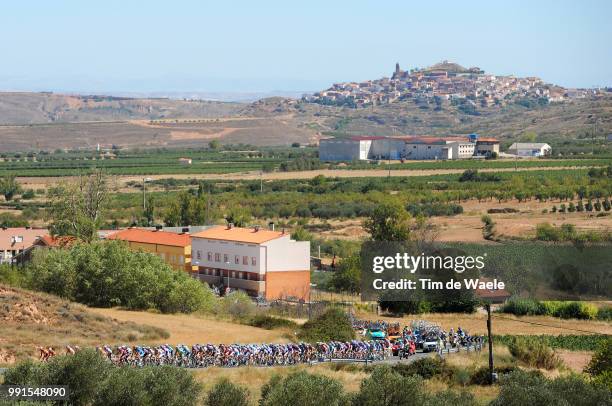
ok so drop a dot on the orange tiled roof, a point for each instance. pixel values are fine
(239, 234)
(25, 236)
(57, 242)
(152, 237)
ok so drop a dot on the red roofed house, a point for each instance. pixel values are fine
(173, 248)
(264, 263)
(16, 243)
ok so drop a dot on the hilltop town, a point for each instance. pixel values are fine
(448, 82)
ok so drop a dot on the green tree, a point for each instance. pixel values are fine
(601, 361)
(488, 230)
(388, 222)
(347, 277)
(77, 209)
(304, 389)
(225, 393)
(9, 187)
(238, 216)
(108, 273)
(388, 388)
(333, 325)
(214, 145)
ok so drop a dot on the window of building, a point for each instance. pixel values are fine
(233, 274)
(181, 259)
(253, 261)
(199, 254)
(240, 275)
(210, 256)
(162, 256)
(245, 260)
(217, 257)
(237, 259)
(226, 258)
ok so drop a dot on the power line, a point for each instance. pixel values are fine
(549, 325)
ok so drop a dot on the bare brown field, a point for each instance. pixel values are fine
(136, 134)
(42, 182)
(192, 329)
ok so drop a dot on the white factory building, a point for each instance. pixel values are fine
(530, 149)
(413, 148)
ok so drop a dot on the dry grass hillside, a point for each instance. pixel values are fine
(31, 319)
(34, 121)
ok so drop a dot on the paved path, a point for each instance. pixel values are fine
(391, 360)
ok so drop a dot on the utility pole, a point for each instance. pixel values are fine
(144, 194)
(208, 206)
(490, 339)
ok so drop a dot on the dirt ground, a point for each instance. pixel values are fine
(190, 329)
(467, 227)
(575, 360)
(44, 182)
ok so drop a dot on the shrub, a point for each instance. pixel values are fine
(271, 323)
(93, 381)
(546, 232)
(108, 273)
(237, 304)
(226, 393)
(303, 389)
(534, 353)
(426, 368)
(575, 310)
(531, 388)
(523, 307)
(481, 375)
(605, 313)
(333, 325)
(601, 362)
(386, 387)
(82, 372)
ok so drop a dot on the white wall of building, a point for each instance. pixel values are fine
(427, 151)
(200, 247)
(462, 150)
(280, 254)
(285, 254)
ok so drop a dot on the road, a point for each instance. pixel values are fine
(388, 361)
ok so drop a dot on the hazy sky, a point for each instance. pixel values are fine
(264, 45)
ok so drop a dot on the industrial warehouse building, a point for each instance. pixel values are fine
(414, 148)
(264, 263)
(530, 149)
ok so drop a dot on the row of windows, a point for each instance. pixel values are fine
(232, 274)
(216, 257)
(172, 258)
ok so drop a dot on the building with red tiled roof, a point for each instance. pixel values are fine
(173, 248)
(262, 262)
(16, 241)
